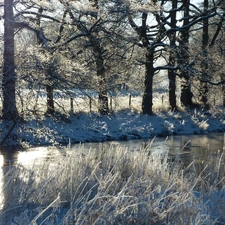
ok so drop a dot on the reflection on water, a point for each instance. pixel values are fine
(199, 149)
(10, 156)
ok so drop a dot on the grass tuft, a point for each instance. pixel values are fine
(110, 186)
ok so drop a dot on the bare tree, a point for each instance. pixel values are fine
(95, 25)
(154, 40)
(172, 57)
(186, 93)
(206, 66)
(99, 61)
(142, 31)
(205, 41)
(9, 110)
(13, 23)
(218, 38)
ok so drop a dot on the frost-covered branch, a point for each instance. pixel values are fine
(22, 13)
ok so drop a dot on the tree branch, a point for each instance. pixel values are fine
(37, 14)
(133, 24)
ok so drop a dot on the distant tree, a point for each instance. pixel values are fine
(49, 66)
(142, 30)
(150, 39)
(40, 19)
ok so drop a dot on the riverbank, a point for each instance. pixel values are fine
(113, 185)
(120, 125)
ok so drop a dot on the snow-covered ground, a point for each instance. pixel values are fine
(121, 125)
(83, 123)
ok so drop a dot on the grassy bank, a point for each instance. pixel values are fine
(112, 186)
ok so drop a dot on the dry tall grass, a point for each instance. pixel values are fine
(32, 102)
(110, 186)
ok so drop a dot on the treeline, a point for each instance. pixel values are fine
(99, 45)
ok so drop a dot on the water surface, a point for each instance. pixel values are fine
(195, 150)
(193, 147)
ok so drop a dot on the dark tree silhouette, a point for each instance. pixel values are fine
(172, 58)
(184, 58)
(99, 61)
(150, 50)
(205, 41)
(9, 110)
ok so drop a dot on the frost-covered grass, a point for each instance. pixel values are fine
(112, 186)
(85, 124)
(34, 102)
(117, 125)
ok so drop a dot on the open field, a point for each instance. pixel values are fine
(113, 186)
(34, 102)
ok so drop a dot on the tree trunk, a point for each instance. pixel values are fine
(103, 106)
(186, 93)
(9, 110)
(205, 41)
(147, 101)
(203, 94)
(50, 99)
(171, 73)
(172, 90)
(50, 74)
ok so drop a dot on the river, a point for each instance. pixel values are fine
(193, 147)
(194, 150)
